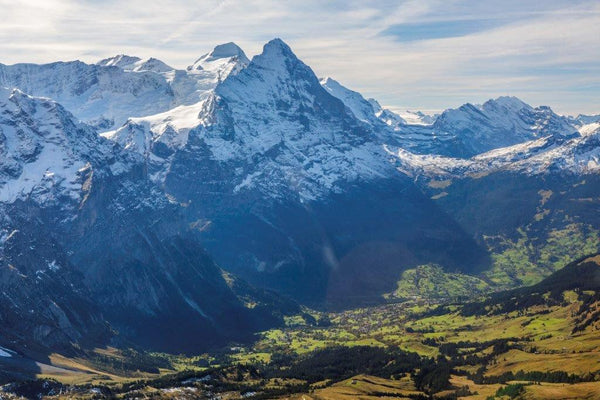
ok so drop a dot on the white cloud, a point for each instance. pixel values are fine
(545, 52)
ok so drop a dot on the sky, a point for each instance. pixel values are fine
(413, 54)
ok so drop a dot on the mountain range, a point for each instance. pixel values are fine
(184, 209)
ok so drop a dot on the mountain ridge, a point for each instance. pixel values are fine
(293, 184)
(102, 224)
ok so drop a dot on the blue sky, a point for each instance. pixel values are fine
(415, 54)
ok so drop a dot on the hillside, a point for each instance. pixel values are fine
(537, 342)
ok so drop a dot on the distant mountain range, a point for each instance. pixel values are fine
(138, 198)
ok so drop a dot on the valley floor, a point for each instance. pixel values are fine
(540, 343)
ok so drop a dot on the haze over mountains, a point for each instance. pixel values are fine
(140, 198)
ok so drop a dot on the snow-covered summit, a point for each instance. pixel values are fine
(370, 111)
(587, 119)
(122, 61)
(585, 124)
(135, 64)
(151, 64)
(277, 81)
(550, 154)
(510, 103)
(272, 124)
(275, 55)
(223, 51)
(108, 93)
(277, 111)
(243, 109)
(46, 155)
(103, 96)
(501, 122)
(463, 132)
(223, 60)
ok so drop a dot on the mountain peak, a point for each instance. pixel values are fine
(278, 56)
(136, 64)
(120, 60)
(41, 139)
(277, 43)
(151, 64)
(272, 70)
(498, 123)
(375, 104)
(336, 89)
(227, 50)
(223, 55)
(509, 102)
(276, 48)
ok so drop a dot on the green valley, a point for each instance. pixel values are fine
(540, 341)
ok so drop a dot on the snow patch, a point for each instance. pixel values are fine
(4, 352)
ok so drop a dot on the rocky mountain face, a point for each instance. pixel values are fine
(534, 205)
(279, 177)
(46, 163)
(44, 302)
(251, 159)
(368, 111)
(255, 167)
(463, 132)
(497, 123)
(88, 239)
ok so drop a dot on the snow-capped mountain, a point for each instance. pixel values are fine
(366, 110)
(462, 132)
(46, 155)
(273, 110)
(412, 131)
(502, 122)
(271, 135)
(295, 184)
(225, 59)
(585, 124)
(101, 96)
(269, 147)
(550, 154)
(389, 117)
(199, 79)
(583, 119)
(136, 64)
(121, 61)
(283, 116)
(47, 163)
(115, 89)
(81, 219)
